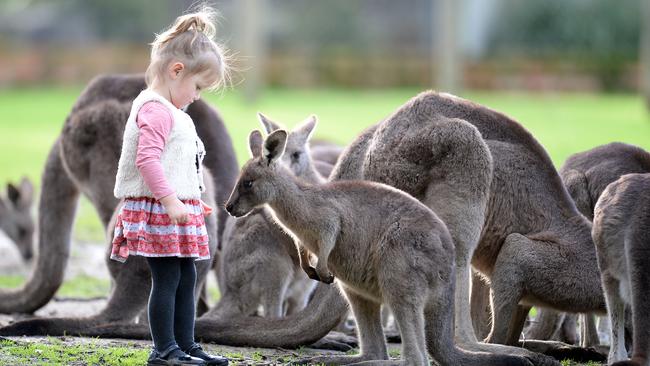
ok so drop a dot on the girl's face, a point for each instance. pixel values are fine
(185, 89)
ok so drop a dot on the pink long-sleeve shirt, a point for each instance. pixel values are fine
(155, 122)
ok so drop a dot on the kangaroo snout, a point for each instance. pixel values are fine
(229, 208)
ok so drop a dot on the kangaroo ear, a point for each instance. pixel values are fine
(268, 125)
(305, 129)
(255, 141)
(274, 146)
(13, 194)
(26, 192)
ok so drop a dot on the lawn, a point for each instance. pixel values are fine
(30, 120)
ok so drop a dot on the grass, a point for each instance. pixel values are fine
(81, 286)
(30, 120)
(55, 352)
(572, 363)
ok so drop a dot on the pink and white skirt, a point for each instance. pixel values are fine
(144, 228)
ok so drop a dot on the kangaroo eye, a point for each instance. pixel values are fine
(247, 183)
(295, 156)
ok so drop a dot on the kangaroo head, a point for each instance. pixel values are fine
(296, 155)
(15, 216)
(258, 180)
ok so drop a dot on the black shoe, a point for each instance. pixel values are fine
(196, 351)
(173, 357)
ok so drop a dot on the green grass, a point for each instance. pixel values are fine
(572, 363)
(78, 287)
(30, 120)
(55, 352)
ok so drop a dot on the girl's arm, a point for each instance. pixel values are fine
(155, 123)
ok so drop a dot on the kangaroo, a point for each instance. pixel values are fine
(84, 159)
(383, 245)
(620, 233)
(325, 156)
(259, 262)
(16, 217)
(586, 175)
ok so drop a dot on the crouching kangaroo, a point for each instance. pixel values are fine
(622, 238)
(383, 246)
(16, 217)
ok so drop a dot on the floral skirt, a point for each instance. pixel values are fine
(144, 228)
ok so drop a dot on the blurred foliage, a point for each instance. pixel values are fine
(600, 35)
(361, 43)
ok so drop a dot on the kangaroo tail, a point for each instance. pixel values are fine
(57, 207)
(325, 310)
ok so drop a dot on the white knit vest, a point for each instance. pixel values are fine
(182, 153)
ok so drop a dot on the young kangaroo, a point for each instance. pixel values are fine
(16, 217)
(620, 232)
(259, 262)
(383, 246)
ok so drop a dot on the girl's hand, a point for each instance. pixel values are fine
(207, 210)
(176, 210)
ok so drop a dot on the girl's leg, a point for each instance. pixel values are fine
(165, 275)
(185, 306)
(185, 313)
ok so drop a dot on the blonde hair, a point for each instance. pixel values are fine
(190, 40)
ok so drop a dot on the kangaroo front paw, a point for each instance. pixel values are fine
(325, 276)
(311, 273)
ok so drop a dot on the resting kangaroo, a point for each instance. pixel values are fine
(259, 262)
(586, 175)
(620, 232)
(16, 217)
(382, 245)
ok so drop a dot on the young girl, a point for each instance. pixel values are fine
(160, 179)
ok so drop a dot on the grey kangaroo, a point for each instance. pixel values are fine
(16, 217)
(620, 232)
(586, 175)
(382, 245)
(259, 262)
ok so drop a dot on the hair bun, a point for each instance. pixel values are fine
(200, 21)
